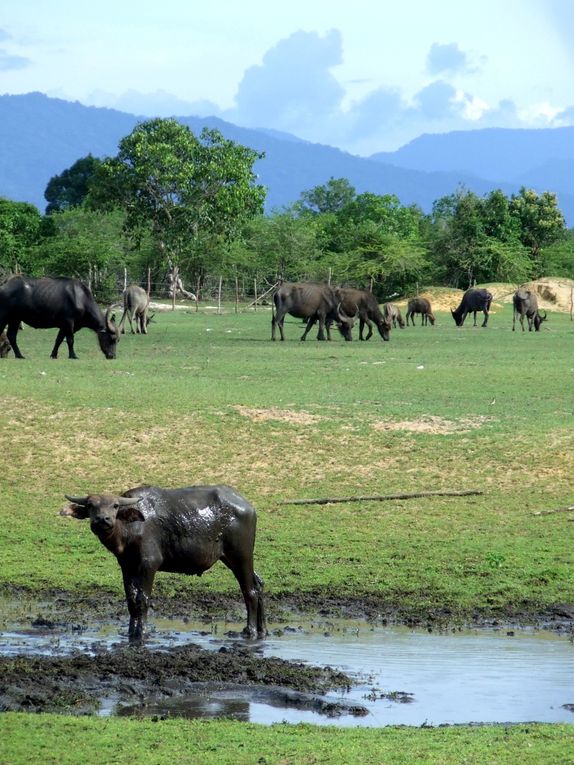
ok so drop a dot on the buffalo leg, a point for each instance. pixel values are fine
(369, 327)
(11, 333)
(138, 592)
(485, 322)
(310, 323)
(321, 332)
(67, 333)
(251, 586)
(277, 321)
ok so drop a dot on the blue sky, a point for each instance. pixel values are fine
(363, 76)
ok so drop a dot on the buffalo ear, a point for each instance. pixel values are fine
(130, 515)
(72, 510)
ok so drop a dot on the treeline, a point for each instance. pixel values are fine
(170, 198)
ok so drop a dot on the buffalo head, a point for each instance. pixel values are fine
(103, 510)
(109, 335)
(538, 319)
(345, 323)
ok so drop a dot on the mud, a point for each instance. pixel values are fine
(138, 680)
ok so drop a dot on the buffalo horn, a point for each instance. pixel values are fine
(77, 500)
(542, 318)
(110, 323)
(343, 316)
(125, 501)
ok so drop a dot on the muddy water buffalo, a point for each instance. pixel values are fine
(525, 303)
(64, 303)
(393, 315)
(184, 531)
(136, 304)
(311, 302)
(365, 303)
(422, 306)
(473, 300)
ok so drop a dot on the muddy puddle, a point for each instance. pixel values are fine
(367, 675)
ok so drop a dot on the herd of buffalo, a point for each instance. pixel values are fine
(188, 530)
(68, 305)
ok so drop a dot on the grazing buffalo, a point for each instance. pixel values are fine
(136, 304)
(311, 302)
(420, 305)
(184, 531)
(5, 346)
(525, 303)
(365, 303)
(393, 315)
(64, 303)
(473, 300)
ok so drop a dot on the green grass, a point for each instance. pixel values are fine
(49, 739)
(206, 399)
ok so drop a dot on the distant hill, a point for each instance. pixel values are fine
(539, 159)
(41, 136)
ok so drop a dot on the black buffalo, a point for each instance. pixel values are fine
(64, 303)
(420, 305)
(473, 300)
(365, 303)
(184, 531)
(311, 302)
(525, 303)
(136, 304)
(393, 315)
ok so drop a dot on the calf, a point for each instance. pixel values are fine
(393, 315)
(184, 531)
(525, 303)
(420, 305)
(5, 346)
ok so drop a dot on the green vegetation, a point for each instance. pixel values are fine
(47, 739)
(208, 398)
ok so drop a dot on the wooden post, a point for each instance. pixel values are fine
(197, 293)
(330, 274)
(90, 277)
(175, 274)
(219, 295)
(125, 279)
(371, 285)
(236, 294)
(571, 303)
(148, 282)
(255, 291)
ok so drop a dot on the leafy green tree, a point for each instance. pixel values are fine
(84, 243)
(331, 197)
(540, 221)
(20, 229)
(178, 187)
(70, 188)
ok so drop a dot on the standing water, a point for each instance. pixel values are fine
(404, 677)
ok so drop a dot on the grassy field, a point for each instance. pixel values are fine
(207, 398)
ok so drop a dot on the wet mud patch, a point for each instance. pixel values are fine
(137, 678)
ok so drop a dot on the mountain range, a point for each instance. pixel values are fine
(42, 136)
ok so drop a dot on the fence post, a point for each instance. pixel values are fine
(255, 290)
(174, 282)
(148, 282)
(125, 279)
(330, 273)
(219, 295)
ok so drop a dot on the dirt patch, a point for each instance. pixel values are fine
(434, 425)
(282, 415)
(553, 294)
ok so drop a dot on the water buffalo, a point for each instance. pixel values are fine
(393, 315)
(420, 305)
(525, 303)
(473, 300)
(136, 304)
(364, 303)
(5, 346)
(64, 303)
(184, 531)
(312, 302)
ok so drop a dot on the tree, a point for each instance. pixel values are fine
(70, 188)
(20, 229)
(177, 186)
(332, 197)
(540, 221)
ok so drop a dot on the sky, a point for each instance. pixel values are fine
(362, 75)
